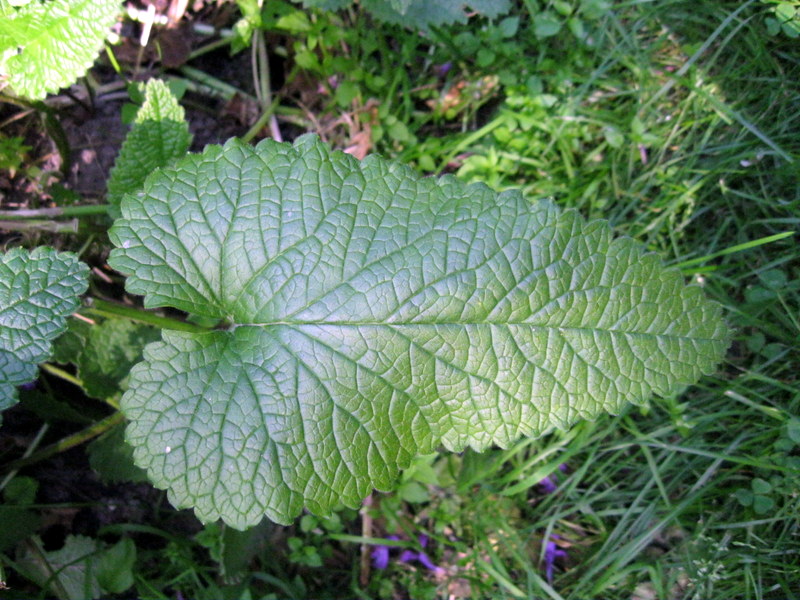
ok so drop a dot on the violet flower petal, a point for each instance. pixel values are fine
(380, 557)
(428, 563)
(407, 556)
(551, 554)
(548, 485)
(380, 554)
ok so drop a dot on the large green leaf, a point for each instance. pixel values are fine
(376, 315)
(420, 14)
(38, 290)
(159, 135)
(45, 46)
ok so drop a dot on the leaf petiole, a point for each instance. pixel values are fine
(66, 211)
(68, 442)
(103, 308)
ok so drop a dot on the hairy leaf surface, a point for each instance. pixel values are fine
(45, 46)
(420, 14)
(38, 290)
(377, 315)
(159, 135)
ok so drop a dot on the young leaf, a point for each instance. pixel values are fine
(45, 46)
(159, 135)
(111, 349)
(38, 290)
(68, 347)
(377, 315)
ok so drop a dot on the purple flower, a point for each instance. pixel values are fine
(426, 562)
(380, 554)
(552, 553)
(380, 557)
(548, 485)
(407, 556)
(443, 69)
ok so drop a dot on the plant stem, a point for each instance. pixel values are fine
(61, 373)
(263, 87)
(70, 226)
(210, 47)
(260, 124)
(66, 211)
(34, 444)
(68, 442)
(104, 308)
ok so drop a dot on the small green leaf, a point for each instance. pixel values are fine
(111, 349)
(38, 290)
(744, 496)
(414, 492)
(793, 430)
(18, 525)
(377, 315)
(773, 26)
(613, 136)
(112, 458)
(758, 295)
(576, 27)
(756, 341)
(421, 14)
(159, 135)
(45, 46)
(762, 504)
(295, 22)
(68, 346)
(21, 491)
(115, 567)
(791, 28)
(760, 486)
(327, 4)
(563, 7)
(346, 93)
(12, 153)
(785, 11)
(509, 26)
(546, 24)
(594, 9)
(70, 573)
(774, 279)
(485, 57)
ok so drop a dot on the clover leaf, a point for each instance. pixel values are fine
(376, 315)
(38, 290)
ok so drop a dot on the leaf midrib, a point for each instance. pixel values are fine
(297, 324)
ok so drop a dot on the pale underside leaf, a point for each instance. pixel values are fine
(376, 315)
(420, 14)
